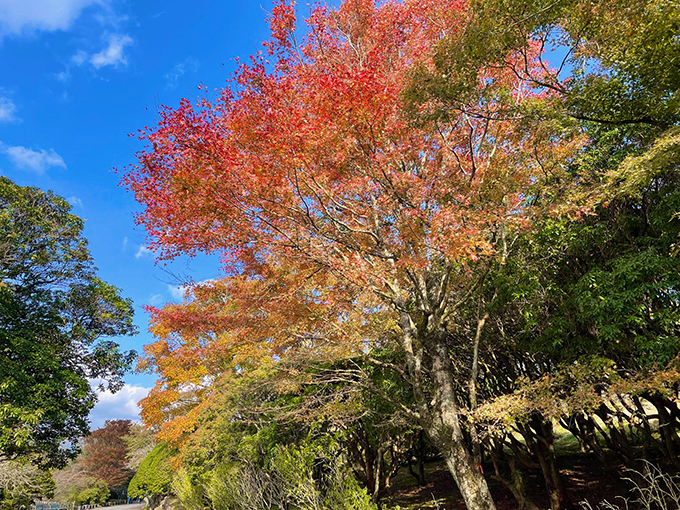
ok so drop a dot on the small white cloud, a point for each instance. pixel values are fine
(111, 18)
(113, 54)
(37, 161)
(125, 243)
(119, 406)
(188, 65)
(156, 299)
(177, 292)
(7, 110)
(142, 252)
(75, 202)
(23, 17)
(79, 58)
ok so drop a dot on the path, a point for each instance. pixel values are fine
(134, 506)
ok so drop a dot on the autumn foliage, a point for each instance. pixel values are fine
(330, 205)
(427, 232)
(105, 454)
(312, 157)
(309, 163)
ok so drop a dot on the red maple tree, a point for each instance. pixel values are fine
(308, 172)
(105, 454)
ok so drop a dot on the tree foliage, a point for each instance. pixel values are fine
(105, 454)
(140, 442)
(153, 477)
(414, 193)
(56, 317)
(313, 166)
(21, 483)
(94, 492)
(262, 460)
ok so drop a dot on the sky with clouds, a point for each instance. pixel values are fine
(76, 78)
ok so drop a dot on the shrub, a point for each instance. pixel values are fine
(189, 492)
(95, 491)
(154, 476)
(309, 476)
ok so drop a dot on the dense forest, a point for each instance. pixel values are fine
(449, 234)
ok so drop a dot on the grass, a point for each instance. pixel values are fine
(565, 442)
(652, 489)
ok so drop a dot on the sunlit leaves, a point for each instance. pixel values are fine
(55, 317)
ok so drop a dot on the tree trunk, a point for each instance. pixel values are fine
(469, 479)
(543, 446)
(445, 432)
(375, 490)
(667, 427)
(419, 455)
(421, 458)
(516, 482)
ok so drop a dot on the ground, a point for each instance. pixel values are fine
(584, 476)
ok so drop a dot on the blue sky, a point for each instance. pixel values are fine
(76, 78)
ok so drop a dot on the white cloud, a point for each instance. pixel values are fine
(142, 251)
(113, 54)
(156, 299)
(23, 17)
(37, 161)
(177, 291)
(79, 58)
(111, 18)
(119, 406)
(188, 65)
(75, 202)
(7, 109)
(125, 243)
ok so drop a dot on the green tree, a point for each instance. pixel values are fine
(602, 283)
(21, 483)
(94, 492)
(617, 65)
(154, 476)
(589, 296)
(56, 320)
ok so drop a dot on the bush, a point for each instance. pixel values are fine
(189, 492)
(309, 476)
(95, 491)
(154, 476)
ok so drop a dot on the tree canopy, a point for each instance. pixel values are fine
(154, 476)
(105, 454)
(414, 192)
(56, 322)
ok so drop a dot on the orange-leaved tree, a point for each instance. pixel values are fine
(309, 165)
(105, 454)
(234, 324)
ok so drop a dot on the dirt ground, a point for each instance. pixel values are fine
(585, 478)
